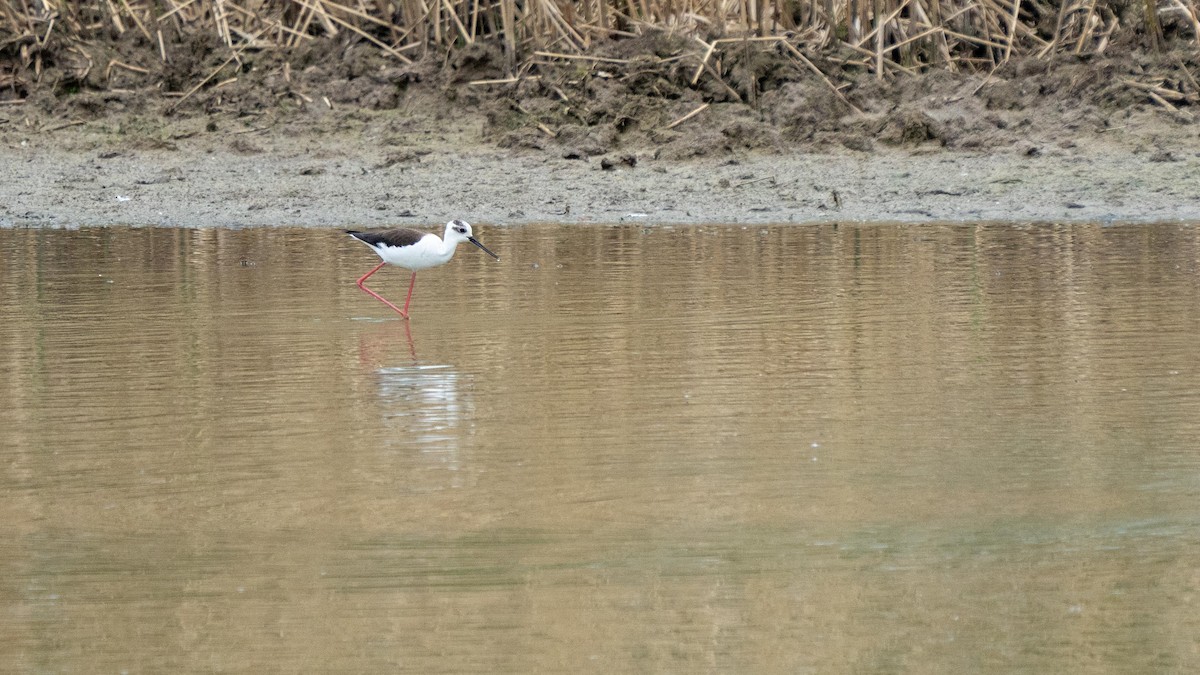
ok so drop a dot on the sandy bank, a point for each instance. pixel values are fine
(46, 182)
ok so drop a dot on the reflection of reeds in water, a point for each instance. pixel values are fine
(884, 36)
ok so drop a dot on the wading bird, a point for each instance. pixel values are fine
(414, 250)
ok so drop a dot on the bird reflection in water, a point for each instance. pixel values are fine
(424, 408)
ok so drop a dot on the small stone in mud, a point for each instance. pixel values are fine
(608, 163)
(404, 157)
(162, 177)
(244, 147)
(859, 143)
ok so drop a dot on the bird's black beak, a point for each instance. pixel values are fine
(475, 241)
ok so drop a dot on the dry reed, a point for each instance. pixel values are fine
(885, 37)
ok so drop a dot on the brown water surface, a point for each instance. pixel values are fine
(714, 449)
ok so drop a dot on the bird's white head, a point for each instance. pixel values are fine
(458, 231)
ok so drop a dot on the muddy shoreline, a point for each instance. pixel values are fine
(337, 134)
(68, 179)
(948, 155)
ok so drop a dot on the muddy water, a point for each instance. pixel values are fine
(780, 449)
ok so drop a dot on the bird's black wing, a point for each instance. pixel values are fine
(399, 237)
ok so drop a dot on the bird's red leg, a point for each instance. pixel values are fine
(363, 278)
(411, 286)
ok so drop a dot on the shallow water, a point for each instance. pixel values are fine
(712, 449)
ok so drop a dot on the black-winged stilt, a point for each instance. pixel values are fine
(414, 250)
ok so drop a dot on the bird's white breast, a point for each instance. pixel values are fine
(429, 251)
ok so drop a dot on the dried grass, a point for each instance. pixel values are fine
(885, 37)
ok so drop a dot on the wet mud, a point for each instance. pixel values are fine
(337, 133)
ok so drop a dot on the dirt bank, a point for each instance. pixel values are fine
(292, 180)
(350, 138)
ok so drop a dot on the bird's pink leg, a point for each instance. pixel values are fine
(363, 278)
(412, 284)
